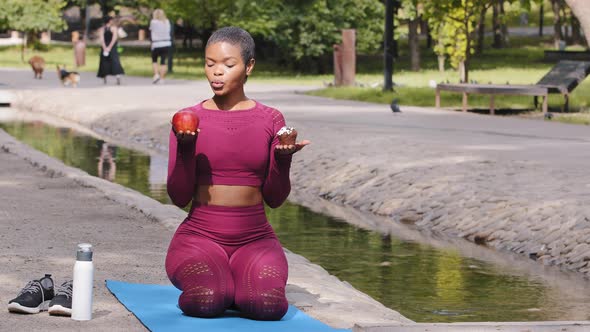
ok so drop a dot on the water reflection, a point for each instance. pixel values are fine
(158, 175)
(423, 283)
(136, 170)
(107, 168)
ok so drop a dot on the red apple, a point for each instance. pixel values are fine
(185, 121)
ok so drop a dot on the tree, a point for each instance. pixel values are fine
(308, 29)
(581, 9)
(499, 24)
(391, 9)
(205, 15)
(557, 22)
(412, 10)
(32, 17)
(481, 31)
(453, 22)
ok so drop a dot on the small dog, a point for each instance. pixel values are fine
(38, 65)
(68, 77)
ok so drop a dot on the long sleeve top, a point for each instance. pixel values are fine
(233, 148)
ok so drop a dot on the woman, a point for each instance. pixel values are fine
(109, 56)
(225, 253)
(161, 43)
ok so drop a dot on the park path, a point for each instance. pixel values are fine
(514, 184)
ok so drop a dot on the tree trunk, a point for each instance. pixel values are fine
(465, 64)
(85, 20)
(388, 46)
(414, 44)
(441, 63)
(425, 31)
(481, 31)
(23, 47)
(541, 16)
(576, 31)
(503, 26)
(564, 20)
(581, 9)
(557, 35)
(423, 26)
(462, 72)
(496, 25)
(395, 44)
(104, 8)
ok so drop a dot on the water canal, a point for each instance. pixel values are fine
(422, 283)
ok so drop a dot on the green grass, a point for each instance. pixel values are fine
(136, 61)
(521, 64)
(582, 118)
(423, 96)
(188, 64)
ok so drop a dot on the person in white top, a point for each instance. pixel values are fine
(161, 43)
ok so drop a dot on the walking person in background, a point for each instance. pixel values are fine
(161, 43)
(109, 56)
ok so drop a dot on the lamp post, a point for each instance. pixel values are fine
(391, 7)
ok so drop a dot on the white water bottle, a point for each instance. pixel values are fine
(83, 282)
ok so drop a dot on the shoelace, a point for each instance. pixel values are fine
(65, 289)
(33, 286)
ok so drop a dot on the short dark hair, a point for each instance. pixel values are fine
(106, 19)
(235, 36)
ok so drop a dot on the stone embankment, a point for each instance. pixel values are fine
(533, 206)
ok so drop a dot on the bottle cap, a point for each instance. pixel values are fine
(84, 252)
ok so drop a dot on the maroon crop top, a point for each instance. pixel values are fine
(233, 148)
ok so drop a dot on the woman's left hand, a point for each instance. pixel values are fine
(290, 149)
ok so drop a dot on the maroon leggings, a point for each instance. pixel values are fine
(224, 256)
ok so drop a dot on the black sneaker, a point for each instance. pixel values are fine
(61, 305)
(34, 297)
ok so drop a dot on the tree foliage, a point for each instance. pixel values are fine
(202, 14)
(32, 15)
(310, 28)
(298, 28)
(453, 22)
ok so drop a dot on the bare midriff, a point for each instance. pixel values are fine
(223, 195)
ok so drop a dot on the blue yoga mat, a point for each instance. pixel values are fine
(156, 307)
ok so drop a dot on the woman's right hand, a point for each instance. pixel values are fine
(186, 137)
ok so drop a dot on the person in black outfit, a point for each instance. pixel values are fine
(109, 56)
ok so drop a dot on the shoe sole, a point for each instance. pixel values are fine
(17, 308)
(58, 310)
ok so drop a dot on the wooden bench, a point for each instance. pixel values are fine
(492, 90)
(555, 56)
(564, 77)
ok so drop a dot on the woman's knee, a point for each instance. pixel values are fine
(207, 289)
(202, 301)
(270, 304)
(260, 272)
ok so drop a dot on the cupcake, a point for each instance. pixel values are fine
(287, 136)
